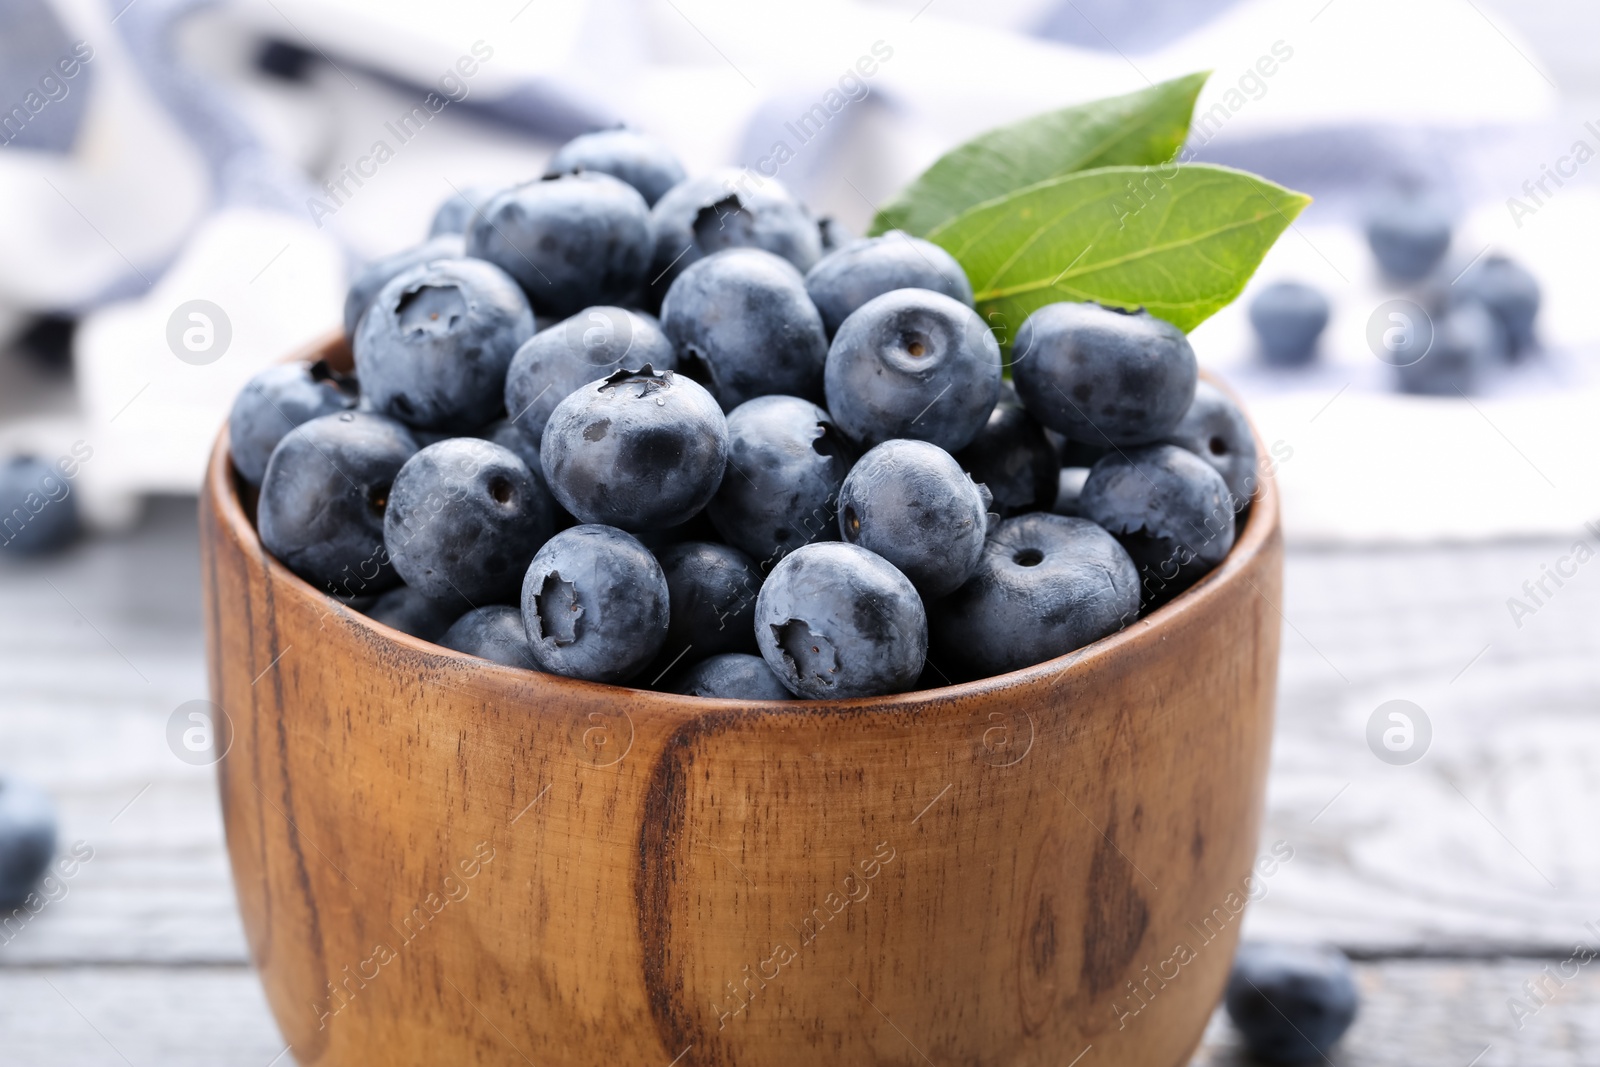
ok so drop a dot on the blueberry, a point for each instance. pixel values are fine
(912, 504)
(732, 676)
(1510, 292)
(27, 839)
(1014, 459)
(371, 279)
(38, 512)
(743, 325)
(627, 155)
(457, 212)
(1069, 491)
(1409, 232)
(844, 280)
(1288, 318)
(1216, 430)
(1169, 508)
(434, 348)
(1467, 341)
(1101, 375)
(595, 605)
(508, 436)
(729, 208)
(406, 610)
(1291, 1002)
(274, 402)
(464, 518)
(639, 449)
(913, 363)
(572, 241)
(494, 632)
(1044, 586)
(593, 344)
(323, 498)
(712, 591)
(836, 621)
(786, 462)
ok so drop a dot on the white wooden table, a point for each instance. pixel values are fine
(1455, 879)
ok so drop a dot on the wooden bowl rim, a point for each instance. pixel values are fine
(222, 485)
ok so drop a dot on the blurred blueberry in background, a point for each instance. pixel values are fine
(38, 512)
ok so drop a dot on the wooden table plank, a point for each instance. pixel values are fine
(101, 646)
(147, 1016)
(1486, 843)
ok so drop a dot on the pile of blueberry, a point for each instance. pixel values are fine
(1478, 316)
(631, 427)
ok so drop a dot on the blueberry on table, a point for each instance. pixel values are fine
(323, 498)
(1216, 430)
(732, 676)
(492, 632)
(593, 344)
(712, 592)
(1014, 459)
(729, 208)
(845, 279)
(1169, 508)
(371, 279)
(27, 839)
(835, 621)
(464, 518)
(274, 402)
(406, 610)
(627, 155)
(1101, 375)
(912, 504)
(1291, 1003)
(1409, 233)
(786, 462)
(1467, 341)
(433, 349)
(638, 450)
(913, 363)
(458, 210)
(595, 605)
(1288, 318)
(1044, 586)
(38, 512)
(1510, 292)
(744, 327)
(571, 241)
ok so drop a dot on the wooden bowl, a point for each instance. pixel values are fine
(440, 860)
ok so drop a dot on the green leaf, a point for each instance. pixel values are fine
(1178, 240)
(1141, 128)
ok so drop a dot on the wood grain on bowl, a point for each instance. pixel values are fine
(441, 860)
